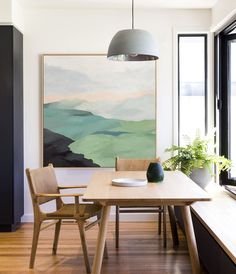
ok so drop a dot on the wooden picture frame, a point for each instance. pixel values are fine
(95, 109)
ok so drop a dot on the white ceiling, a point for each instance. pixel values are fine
(196, 4)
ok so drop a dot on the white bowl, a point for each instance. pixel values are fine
(129, 182)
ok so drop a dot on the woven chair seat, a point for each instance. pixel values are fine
(68, 211)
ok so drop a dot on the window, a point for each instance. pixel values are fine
(226, 97)
(192, 85)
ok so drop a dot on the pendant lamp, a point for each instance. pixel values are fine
(133, 45)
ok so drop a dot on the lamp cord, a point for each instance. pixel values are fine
(132, 14)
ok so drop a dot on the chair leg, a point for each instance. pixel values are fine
(117, 225)
(159, 222)
(164, 226)
(84, 246)
(105, 255)
(56, 237)
(37, 226)
(173, 226)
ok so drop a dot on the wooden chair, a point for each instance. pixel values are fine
(138, 165)
(44, 188)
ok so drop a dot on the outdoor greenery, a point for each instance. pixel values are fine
(195, 155)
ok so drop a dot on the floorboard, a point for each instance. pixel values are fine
(141, 251)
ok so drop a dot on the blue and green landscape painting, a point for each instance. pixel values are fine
(95, 110)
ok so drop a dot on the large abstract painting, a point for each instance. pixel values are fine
(95, 110)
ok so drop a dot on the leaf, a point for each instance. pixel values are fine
(195, 155)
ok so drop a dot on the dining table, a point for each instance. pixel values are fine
(176, 189)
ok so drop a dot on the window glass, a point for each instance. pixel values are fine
(225, 79)
(192, 85)
(232, 64)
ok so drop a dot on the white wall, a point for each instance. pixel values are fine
(222, 12)
(5, 11)
(90, 31)
(11, 13)
(18, 15)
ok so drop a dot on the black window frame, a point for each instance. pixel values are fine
(205, 35)
(222, 98)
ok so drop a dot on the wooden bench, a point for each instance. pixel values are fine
(215, 229)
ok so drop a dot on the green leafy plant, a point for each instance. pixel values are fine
(195, 155)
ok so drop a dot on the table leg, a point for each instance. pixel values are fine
(173, 226)
(190, 236)
(97, 263)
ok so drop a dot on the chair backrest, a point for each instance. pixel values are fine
(42, 180)
(134, 164)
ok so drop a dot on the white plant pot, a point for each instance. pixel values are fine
(201, 176)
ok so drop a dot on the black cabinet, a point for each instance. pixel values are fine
(11, 128)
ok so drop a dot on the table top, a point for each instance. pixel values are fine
(175, 189)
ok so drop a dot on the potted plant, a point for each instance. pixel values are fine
(196, 161)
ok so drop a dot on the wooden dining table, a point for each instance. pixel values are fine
(176, 189)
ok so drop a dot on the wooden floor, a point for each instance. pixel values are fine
(141, 251)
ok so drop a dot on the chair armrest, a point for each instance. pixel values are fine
(58, 195)
(67, 187)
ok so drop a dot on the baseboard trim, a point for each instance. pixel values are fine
(125, 217)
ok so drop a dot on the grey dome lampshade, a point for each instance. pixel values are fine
(133, 45)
